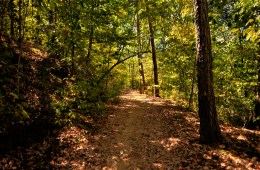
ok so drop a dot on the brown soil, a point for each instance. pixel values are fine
(141, 132)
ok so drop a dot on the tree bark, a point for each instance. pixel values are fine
(155, 69)
(73, 57)
(257, 105)
(141, 67)
(133, 75)
(91, 37)
(253, 123)
(20, 21)
(38, 39)
(12, 15)
(209, 127)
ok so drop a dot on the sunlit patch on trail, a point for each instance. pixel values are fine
(242, 137)
(128, 106)
(193, 120)
(168, 144)
(144, 98)
(158, 165)
(156, 103)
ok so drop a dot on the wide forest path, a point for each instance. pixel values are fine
(144, 132)
(139, 132)
(140, 135)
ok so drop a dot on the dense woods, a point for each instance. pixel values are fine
(61, 61)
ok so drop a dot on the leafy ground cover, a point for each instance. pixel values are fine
(139, 132)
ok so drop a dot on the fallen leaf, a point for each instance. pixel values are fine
(253, 160)
(222, 146)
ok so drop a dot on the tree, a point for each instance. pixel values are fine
(248, 21)
(257, 105)
(209, 127)
(256, 113)
(155, 69)
(141, 67)
(12, 17)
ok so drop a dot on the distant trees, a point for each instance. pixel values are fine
(209, 127)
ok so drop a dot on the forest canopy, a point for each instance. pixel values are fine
(62, 59)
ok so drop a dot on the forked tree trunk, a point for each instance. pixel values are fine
(209, 127)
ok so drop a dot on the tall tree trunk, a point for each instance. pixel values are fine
(257, 105)
(256, 113)
(91, 37)
(209, 127)
(12, 15)
(38, 39)
(51, 34)
(155, 69)
(88, 59)
(73, 57)
(91, 34)
(253, 123)
(20, 21)
(141, 67)
(133, 75)
(20, 45)
(141, 71)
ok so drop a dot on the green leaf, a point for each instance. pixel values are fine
(25, 114)
(14, 95)
(234, 30)
(249, 35)
(249, 21)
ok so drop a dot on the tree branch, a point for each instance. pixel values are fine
(117, 63)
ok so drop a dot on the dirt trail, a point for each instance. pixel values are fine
(151, 133)
(134, 129)
(140, 132)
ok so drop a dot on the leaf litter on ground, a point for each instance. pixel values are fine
(139, 132)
